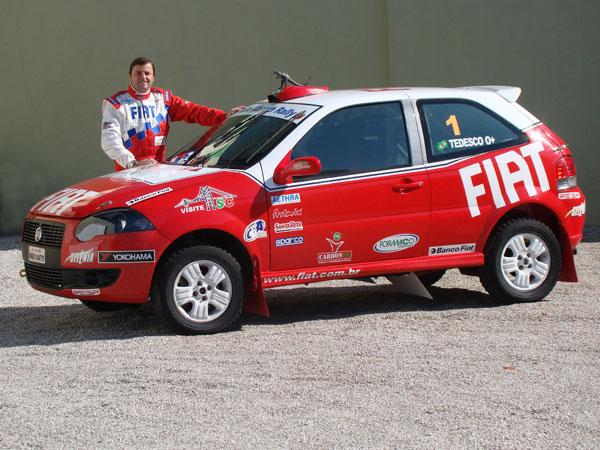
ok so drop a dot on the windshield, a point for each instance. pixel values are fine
(244, 138)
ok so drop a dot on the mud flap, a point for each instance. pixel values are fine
(255, 301)
(409, 283)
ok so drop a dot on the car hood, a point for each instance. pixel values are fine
(120, 189)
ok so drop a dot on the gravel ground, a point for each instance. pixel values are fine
(339, 364)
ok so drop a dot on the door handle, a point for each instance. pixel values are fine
(406, 186)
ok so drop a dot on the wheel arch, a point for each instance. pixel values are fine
(547, 216)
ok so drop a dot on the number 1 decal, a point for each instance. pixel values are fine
(452, 120)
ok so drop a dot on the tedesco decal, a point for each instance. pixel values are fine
(210, 199)
(255, 230)
(396, 243)
(509, 178)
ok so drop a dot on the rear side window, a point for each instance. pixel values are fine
(456, 128)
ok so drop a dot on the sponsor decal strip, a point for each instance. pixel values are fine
(141, 198)
(577, 211)
(284, 242)
(210, 198)
(285, 227)
(85, 292)
(569, 195)
(80, 257)
(285, 199)
(396, 243)
(315, 275)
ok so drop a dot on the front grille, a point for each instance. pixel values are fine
(44, 276)
(70, 278)
(52, 233)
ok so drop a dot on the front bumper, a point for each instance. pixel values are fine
(115, 268)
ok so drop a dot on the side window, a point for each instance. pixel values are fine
(357, 139)
(457, 128)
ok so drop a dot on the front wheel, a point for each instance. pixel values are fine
(201, 290)
(523, 261)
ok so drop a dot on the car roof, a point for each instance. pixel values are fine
(500, 99)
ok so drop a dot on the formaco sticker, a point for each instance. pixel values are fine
(396, 243)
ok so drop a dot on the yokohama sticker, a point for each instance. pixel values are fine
(126, 256)
(133, 201)
(85, 292)
(451, 249)
(396, 243)
(255, 230)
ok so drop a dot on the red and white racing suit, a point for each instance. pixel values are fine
(135, 126)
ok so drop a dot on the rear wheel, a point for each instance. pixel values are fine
(523, 261)
(201, 290)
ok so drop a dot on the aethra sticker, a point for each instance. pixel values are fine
(451, 249)
(141, 198)
(255, 230)
(85, 292)
(396, 243)
(295, 240)
(285, 199)
(126, 256)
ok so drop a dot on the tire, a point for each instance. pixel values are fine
(108, 306)
(522, 262)
(201, 290)
(430, 278)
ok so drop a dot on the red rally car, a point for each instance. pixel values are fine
(313, 185)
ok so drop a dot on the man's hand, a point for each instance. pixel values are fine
(143, 162)
(235, 109)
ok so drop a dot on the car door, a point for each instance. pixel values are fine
(367, 204)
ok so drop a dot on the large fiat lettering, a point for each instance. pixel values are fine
(509, 177)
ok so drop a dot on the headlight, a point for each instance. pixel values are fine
(112, 222)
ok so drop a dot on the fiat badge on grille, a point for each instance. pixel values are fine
(38, 234)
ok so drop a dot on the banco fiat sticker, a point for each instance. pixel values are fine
(451, 249)
(396, 243)
(285, 199)
(255, 230)
(209, 199)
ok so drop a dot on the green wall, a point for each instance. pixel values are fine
(60, 58)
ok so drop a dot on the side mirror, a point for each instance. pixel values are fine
(307, 165)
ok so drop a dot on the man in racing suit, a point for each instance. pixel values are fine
(135, 122)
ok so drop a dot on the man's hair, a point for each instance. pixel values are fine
(140, 61)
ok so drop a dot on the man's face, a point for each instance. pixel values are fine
(142, 77)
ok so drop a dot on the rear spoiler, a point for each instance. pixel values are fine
(510, 93)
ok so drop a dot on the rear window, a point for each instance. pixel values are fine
(455, 128)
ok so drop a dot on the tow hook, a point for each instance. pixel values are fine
(23, 273)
